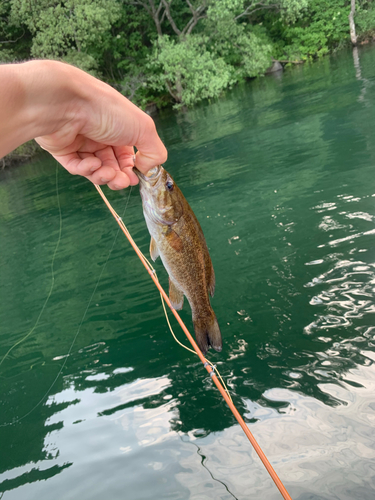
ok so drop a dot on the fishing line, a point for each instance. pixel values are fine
(52, 277)
(203, 457)
(209, 367)
(191, 350)
(152, 270)
(82, 320)
(170, 326)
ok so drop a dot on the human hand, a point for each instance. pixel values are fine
(90, 128)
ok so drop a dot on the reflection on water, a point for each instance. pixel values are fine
(280, 174)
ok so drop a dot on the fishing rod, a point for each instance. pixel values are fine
(206, 364)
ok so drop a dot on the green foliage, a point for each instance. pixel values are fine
(127, 45)
(322, 27)
(6, 55)
(21, 154)
(180, 50)
(247, 49)
(187, 70)
(291, 10)
(134, 85)
(365, 19)
(15, 42)
(195, 67)
(6, 52)
(68, 29)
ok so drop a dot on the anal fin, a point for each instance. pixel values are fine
(211, 275)
(175, 296)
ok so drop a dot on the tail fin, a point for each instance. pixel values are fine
(207, 332)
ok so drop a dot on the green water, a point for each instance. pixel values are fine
(280, 172)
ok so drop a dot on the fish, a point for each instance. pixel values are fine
(177, 237)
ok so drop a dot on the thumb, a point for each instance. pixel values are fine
(145, 162)
(151, 151)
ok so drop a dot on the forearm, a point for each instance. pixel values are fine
(35, 99)
(12, 104)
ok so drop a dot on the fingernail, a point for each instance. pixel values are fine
(103, 180)
(93, 169)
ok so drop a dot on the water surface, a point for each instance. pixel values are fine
(280, 173)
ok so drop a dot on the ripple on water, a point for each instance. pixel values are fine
(317, 449)
(344, 306)
(347, 293)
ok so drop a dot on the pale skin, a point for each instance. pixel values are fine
(86, 125)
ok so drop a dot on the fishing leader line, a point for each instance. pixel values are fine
(52, 278)
(152, 271)
(209, 367)
(6, 424)
(203, 459)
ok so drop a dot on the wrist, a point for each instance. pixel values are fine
(52, 96)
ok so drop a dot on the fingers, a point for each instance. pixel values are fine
(122, 180)
(116, 179)
(101, 169)
(121, 161)
(125, 156)
(103, 175)
(108, 158)
(131, 175)
(151, 150)
(79, 166)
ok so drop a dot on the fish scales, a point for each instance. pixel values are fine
(177, 237)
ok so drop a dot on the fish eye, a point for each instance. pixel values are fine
(169, 185)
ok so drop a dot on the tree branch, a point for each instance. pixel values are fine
(162, 17)
(196, 16)
(254, 7)
(144, 5)
(169, 16)
(353, 36)
(164, 11)
(193, 24)
(13, 41)
(175, 96)
(152, 11)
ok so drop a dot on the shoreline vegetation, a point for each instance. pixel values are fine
(20, 155)
(164, 53)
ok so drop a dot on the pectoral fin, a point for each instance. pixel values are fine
(154, 252)
(175, 296)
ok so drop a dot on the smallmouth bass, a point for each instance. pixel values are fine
(177, 237)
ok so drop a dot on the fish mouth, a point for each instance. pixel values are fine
(151, 177)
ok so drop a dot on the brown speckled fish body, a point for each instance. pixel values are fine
(177, 237)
